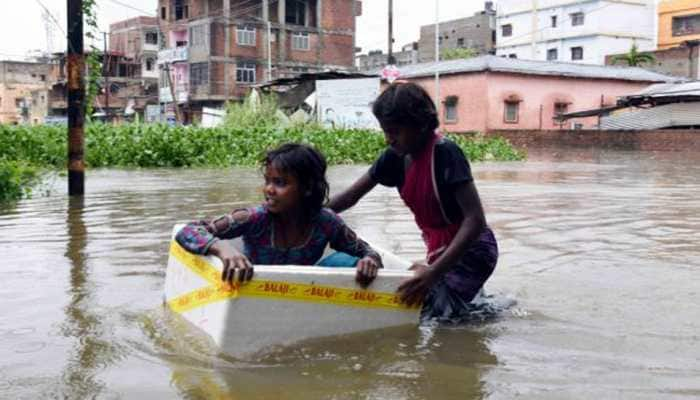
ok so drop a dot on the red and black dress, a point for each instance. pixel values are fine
(427, 186)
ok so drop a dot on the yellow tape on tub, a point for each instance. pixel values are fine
(274, 290)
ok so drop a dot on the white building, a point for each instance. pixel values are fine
(574, 30)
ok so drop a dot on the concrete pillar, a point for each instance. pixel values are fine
(319, 13)
(282, 42)
(227, 45)
(268, 39)
(319, 25)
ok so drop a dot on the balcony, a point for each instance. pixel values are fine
(181, 92)
(150, 46)
(169, 56)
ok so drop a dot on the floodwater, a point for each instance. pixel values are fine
(600, 249)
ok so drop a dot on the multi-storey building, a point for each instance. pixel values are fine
(129, 76)
(138, 39)
(573, 30)
(476, 32)
(216, 49)
(377, 59)
(24, 90)
(679, 22)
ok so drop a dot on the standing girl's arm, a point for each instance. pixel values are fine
(414, 290)
(350, 196)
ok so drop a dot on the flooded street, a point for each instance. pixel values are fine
(600, 249)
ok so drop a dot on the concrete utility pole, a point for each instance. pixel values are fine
(178, 118)
(76, 100)
(390, 58)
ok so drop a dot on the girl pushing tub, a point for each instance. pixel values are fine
(434, 180)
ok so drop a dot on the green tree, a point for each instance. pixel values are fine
(458, 53)
(634, 58)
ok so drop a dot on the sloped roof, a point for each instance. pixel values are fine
(531, 67)
(691, 88)
(665, 116)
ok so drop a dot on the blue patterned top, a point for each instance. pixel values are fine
(258, 234)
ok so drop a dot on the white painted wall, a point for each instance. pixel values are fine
(610, 27)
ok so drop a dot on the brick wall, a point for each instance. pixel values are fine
(336, 50)
(338, 15)
(659, 140)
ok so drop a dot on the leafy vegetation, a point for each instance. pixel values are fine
(16, 180)
(634, 58)
(137, 145)
(248, 131)
(458, 53)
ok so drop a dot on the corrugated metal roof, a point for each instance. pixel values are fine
(531, 67)
(670, 90)
(665, 116)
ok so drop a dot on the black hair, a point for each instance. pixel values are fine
(406, 104)
(309, 167)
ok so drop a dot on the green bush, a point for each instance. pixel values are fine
(16, 179)
(162, 146)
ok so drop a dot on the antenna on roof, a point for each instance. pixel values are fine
(49, 30)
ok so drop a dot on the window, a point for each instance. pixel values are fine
(511, 112)
(552, 54)
(198, 36)
(182, 10)
(163, 13)
(199, 74)
(300, 41)
(151, 38)
(577, 53)
(686, 25)
(506, 30)
(245, 35)
(576, 19)
(460, 42)
(451, 108)
(245, 72)
(296, 12)
(42, 77)
(149, 64)
(114, 88)
(560, 108)
(554, 21)
(512, 55)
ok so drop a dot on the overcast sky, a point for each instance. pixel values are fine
(22, 27)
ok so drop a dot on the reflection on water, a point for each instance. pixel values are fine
(396, 363)
(601, 250)
(82, 325)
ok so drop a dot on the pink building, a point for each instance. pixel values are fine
(495, 93)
